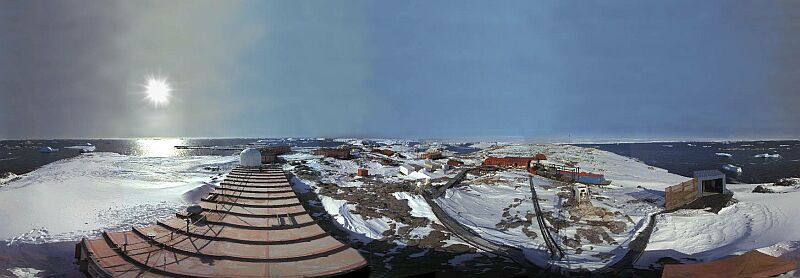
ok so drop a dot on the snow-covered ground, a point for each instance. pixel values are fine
(77, 197)
(769, 221)
(81, 196)
(636, 192)
(340, 193)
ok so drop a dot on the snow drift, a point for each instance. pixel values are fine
(81, 196)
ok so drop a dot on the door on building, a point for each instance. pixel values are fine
(712, 186)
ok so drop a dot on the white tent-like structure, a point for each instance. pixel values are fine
(250, 157)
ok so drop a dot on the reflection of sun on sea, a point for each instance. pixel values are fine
(158, 147)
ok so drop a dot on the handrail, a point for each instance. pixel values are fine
(552, 245)
(154, 241)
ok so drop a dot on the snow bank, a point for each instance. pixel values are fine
(340, 210)
(419, 208)
(25, 272)
(724, 154)
(757, 221)
(784, 248)
(72, 198)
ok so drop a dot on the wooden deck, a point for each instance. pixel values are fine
(252, 225)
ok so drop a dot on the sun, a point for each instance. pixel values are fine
(157, 90)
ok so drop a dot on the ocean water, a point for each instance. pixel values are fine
(685, 157)
(22, 156)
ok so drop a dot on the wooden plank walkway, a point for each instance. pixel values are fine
(252, 225)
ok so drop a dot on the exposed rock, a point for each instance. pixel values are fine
(603, 256)
(616, 227)
(531, 234)
(762, 189)
(589, 234)
(433, 240)
(595, 235)
(458, 248)
(572, 243)
(787, 182)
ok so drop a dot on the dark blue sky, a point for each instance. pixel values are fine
(550, 70)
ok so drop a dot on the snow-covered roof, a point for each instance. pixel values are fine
(410, 167)
(708, 174)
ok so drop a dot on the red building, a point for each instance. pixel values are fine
(340, 153)
(363, 172)
(270, 154)
(431, 155)
(515, 162)
(385, 152)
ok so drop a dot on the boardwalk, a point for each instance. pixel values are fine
(252, 225)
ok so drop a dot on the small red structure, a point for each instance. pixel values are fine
(270, 154)
(452, 162)
(539, 157)
(363, 172)
(515, 162)
(431, 155)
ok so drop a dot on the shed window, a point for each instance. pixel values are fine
(712, 186)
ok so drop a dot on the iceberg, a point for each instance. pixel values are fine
(732, 168)
(47, 150)
(83, 149)
(766, 155)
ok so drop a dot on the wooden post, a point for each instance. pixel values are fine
(125, 245)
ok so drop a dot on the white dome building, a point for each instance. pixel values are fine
(250, 157)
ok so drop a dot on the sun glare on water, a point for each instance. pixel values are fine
(157, 90)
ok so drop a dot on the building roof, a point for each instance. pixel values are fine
(410, 167)
(750, 264)
(708, 174)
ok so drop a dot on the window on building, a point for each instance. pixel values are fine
(712, 186)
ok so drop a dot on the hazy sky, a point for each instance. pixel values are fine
(537, 69)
